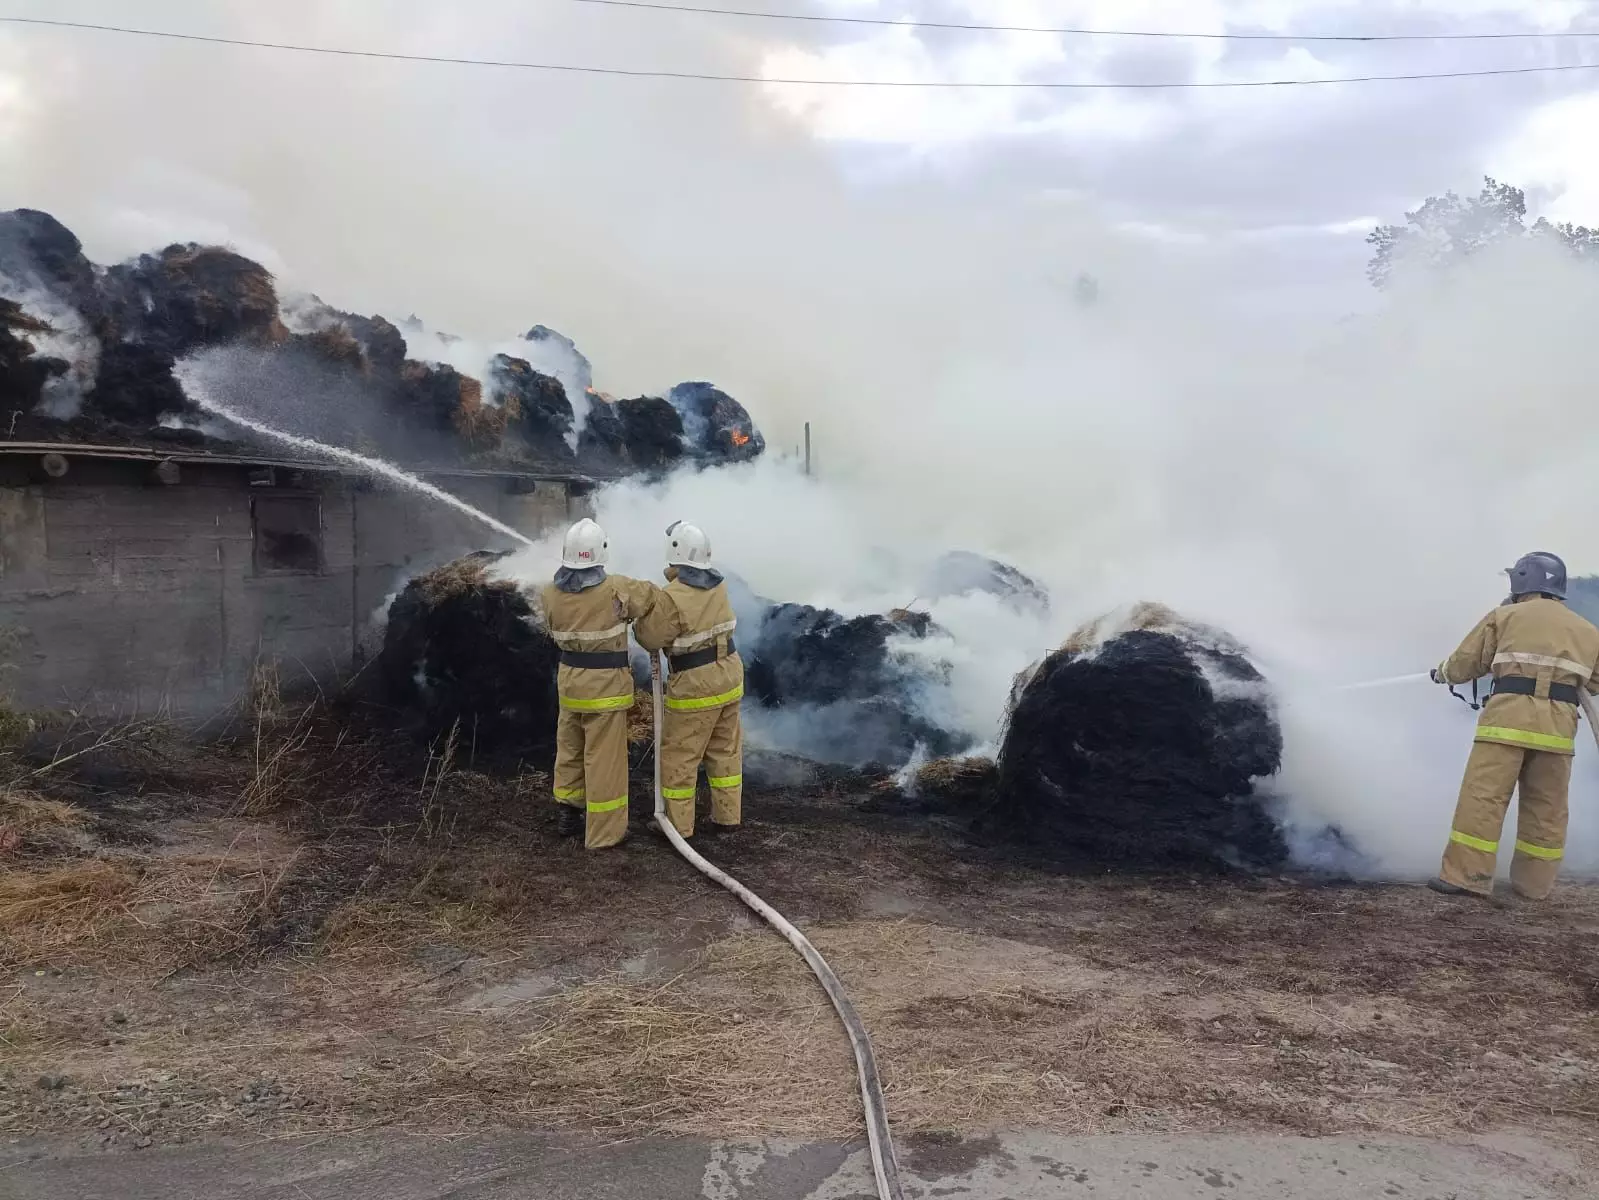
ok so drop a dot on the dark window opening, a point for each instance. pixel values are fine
(288, 534)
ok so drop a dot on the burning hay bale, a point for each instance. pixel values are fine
(1138, 742)
(715, 426)
(464, 651)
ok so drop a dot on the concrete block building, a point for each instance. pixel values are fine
(140, 580)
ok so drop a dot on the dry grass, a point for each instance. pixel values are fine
(150, 913)
(31, 814)
(742, 1041)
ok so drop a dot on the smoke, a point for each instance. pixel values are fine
(68, 339)
(1339, 497)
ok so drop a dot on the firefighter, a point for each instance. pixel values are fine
(587, 612)
(694, 624)
(1540, 654)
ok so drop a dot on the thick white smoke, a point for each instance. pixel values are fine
(1339, 497)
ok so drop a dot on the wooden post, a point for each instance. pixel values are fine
(807, 447)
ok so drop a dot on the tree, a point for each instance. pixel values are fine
(1449, 229)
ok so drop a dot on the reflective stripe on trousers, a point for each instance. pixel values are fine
(1548, 853)
(694, 705)
(603, 704)
(1524, 737)
(1476, 843)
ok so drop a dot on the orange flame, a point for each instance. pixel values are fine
(740, 437)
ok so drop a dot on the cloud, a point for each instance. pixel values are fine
(1553, 153)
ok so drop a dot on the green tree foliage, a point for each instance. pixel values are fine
(1450, 228)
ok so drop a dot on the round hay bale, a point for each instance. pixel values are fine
(464, 650)
(1138, 744)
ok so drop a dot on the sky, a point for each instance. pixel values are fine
(1273, 190)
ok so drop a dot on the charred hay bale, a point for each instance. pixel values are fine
(433, 395)
(960, 573)
(644, 432)
(36, 250)
(464, 651)
(1138, 743)
(374, 345)
(23, 371)
(135, 385)
(838, 691)
(716, 426)
(542, 414)
(188, 297)
(381, 342)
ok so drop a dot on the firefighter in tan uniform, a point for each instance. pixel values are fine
(694, 624)
(1539, 653)
(587, 612)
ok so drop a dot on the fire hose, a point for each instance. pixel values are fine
(885, 1167)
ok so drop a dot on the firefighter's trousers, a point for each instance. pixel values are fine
(714, 736)
(591, 772)
(1492, 773)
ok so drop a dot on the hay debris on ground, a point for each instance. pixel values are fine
(435, 958)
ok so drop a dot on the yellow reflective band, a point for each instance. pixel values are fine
(1532, 851)
(1522, 737)
(706, 701)
(603, 704)
(569, 793)
(1476, 843)
(605, 806)
(678, 793)
(727, 781)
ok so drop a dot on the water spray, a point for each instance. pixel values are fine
(196, 389)
(1382, 683)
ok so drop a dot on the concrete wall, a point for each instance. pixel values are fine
(121, 593)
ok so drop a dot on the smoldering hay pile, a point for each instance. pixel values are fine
(1140, 741)
(88, 353)
(464, 648)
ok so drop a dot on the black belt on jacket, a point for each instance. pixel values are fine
(1521, 685)
(598, 660)
(698, 658)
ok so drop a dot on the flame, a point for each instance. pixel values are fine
(740, 437)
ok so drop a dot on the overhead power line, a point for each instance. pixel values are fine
(972, 27)
(640, 73)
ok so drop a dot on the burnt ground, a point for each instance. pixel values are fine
(294, 927)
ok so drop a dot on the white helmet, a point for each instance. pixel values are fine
(687, 546)
(586, 546)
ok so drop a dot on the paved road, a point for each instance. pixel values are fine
(1013, 1167)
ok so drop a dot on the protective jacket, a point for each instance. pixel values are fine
(694, 624)
(590, 628)
(587, 614)
(1546, 645)
(1539, 653)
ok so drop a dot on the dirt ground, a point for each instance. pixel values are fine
(297, 928)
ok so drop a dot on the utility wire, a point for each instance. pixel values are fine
(827, 18)
(1005, 85)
